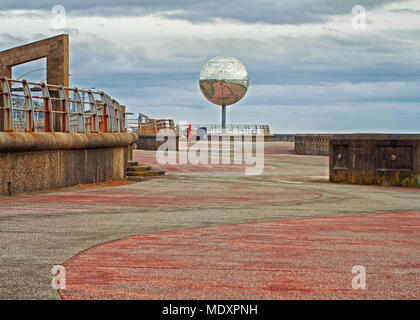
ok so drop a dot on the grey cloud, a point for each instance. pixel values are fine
(406, 10)
(308, 61)
(9, 38)
(266, 11)
(336, 93)
(33, 14)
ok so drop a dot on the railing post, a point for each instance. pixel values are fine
(80, 111)
(65, 124)
(110, 112)
(29, 121)
(48, 123)
(6, 114)
(94, 112)
(114, 122)
(119, 115)
(105, 112)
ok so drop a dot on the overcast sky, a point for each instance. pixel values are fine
(310, 70)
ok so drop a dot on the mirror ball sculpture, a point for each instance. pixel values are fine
(224, 81)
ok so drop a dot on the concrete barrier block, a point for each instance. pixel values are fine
(378, 159)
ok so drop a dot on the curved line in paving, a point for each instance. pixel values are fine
(287, 259)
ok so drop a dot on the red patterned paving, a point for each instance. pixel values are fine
(289, 259)
(149, 157)
(157, 194)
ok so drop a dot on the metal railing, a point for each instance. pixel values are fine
(40, 107)
(150, 126)
(233, 128)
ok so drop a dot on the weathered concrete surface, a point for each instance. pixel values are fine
(42, 230)
(383, 159)
(42, 141)
(42, 161)
(312, 144)
(292, 259)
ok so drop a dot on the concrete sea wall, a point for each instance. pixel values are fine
(149, 142)
(284, 137)
(47, 160)
(312, 144)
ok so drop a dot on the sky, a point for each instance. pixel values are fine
(310, 70)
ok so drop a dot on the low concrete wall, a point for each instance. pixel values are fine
(42, 161)
(379, 159)
(284, 137)
(312, 144)
(149, 142)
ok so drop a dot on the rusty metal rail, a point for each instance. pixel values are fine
(153, 126)
(150, 126)
(40, 107)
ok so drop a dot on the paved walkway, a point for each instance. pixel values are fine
(41, 230)
(286, 259)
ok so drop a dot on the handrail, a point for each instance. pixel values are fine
(46, 107)
(149, 126)
(234, 128)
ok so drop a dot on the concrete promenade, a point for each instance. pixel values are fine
(213, 232)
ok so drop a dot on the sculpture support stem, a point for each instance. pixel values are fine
(224, 118)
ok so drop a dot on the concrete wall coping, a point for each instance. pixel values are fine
(375, 136)
(37, 141)
(314, 134)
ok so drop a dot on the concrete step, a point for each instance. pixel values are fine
(139, 168)
(132, 163)
(150, 173)
(135, 179)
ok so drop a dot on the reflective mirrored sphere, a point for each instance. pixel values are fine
(224, 80)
